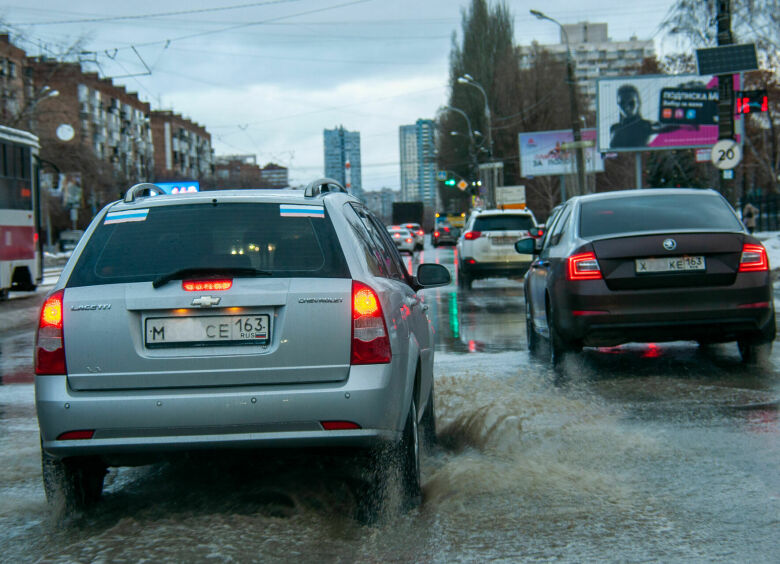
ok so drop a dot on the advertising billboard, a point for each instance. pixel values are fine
(543, 153)
(641, 113)
(179, 187)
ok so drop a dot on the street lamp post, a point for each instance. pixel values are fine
(493, 178)
(575, 108)
(472, 140)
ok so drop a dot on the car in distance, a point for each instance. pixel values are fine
(403, 238)
(645, 266)
(444, 234)
(486, 245)
(290, 322)
(418, 233)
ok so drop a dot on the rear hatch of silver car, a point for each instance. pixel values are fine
(498, 235)
(208, 294)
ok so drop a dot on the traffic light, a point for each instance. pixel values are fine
(450, 182)
(749, 101)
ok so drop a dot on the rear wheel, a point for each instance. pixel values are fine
(74, 482)
(464, 280)
(559, 347)
(409, 460)
(754, 354)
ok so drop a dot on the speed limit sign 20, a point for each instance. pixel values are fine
(726, 154)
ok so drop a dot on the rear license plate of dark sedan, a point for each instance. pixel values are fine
(207, 330)
(670, 264)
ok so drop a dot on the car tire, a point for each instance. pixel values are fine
(428, 423)
(464, 280)
(754, 354)
(409, 460)
(531, 337)
(559, 347)
(75, 483)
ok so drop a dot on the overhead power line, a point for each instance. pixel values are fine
(158, 15)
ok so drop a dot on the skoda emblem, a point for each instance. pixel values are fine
(670, 244)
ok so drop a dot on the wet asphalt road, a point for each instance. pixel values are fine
(641, 453)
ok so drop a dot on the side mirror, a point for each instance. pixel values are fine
(432, 275)
(526, 246)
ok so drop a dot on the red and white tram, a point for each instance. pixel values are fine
(21, 259)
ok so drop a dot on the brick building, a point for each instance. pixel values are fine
(275, 176)
(95, 112)
(182, 148)
(14, 85)
(237, 171)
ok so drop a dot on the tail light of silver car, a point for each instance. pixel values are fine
(370, 341)
(471, 235)
(49, 344)
(583, 266)
(754, 258)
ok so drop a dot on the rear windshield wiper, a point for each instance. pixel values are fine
(182, 272)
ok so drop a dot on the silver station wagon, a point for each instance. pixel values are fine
(232, 319)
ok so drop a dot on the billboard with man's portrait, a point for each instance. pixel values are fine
(641, 113)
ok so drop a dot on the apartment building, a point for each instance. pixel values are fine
(75, 106)
(14, 85)
(417, 150)
(342, 158)
(182, 148)
(595, 55)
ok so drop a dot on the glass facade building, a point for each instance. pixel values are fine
(418, 163)
(342, 146)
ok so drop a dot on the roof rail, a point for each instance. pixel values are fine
(138, 189)
(323, 186)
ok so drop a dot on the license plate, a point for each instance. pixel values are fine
(504, 240)
(207, 330)
(669, 264)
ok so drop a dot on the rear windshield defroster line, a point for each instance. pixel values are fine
(239, 237)
(665, 212)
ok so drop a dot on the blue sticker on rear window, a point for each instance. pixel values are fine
(301, 211)
(126, 216)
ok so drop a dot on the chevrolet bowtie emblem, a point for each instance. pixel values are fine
(206, 301)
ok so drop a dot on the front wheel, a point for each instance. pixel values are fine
(76, 483)
(531, 337)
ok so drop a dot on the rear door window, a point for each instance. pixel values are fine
(666, 212)
(503, 223)
(229, 235)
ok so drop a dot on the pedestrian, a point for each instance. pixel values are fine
(749, 214)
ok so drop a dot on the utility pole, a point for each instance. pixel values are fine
(725, 95)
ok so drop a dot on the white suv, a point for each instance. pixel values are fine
(486, 246)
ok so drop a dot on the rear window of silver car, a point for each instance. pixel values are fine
(667, 212)
(224, 236)
(503, 223)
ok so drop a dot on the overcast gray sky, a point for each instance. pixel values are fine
(267, 77)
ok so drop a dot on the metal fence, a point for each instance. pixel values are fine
(768, 207)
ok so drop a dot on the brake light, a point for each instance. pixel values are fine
(471, 235)
(420, 232)
(583, 266)
(206, 285)
(338, 425)
(435, 233)
(754, 258)
(76, 435)
(370, 342)
(49, 344)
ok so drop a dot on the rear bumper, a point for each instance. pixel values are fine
(509, 269)
(592, 315)
(146, 422)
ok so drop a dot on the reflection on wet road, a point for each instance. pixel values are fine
(636, 453)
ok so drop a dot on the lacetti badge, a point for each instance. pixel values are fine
(206, 301)
(670, 244)
(90, 307)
